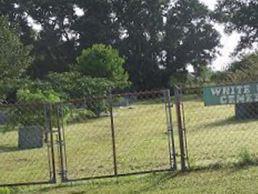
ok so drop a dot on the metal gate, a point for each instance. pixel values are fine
(116, 135)
(108, 136)
(26, 158)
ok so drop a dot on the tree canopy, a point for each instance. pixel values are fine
(241, 16)
(103, 62)
(14, 58)
(157, 38)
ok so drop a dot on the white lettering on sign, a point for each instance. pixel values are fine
(234, 94)
(249, 98)
(255, 97)
(231, 99)
(216, 91)
(240, 99)
(223, 100)
(239, 89)
(247, 89)
(226, 91)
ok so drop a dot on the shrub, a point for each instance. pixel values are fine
(5, 190)
(73, 85)
(103, 62)
(34, 112)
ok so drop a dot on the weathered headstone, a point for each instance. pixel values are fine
(3, 118)
(246, 111)
(30, 137)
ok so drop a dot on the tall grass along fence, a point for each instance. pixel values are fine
(113, 135)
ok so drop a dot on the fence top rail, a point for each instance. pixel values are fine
(153, 93)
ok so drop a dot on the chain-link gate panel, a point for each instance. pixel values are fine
(116, 135)
(26, 145)
(142, 132)
(85, 141)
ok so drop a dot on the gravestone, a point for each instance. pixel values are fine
(3, 118)
(246, 111)
(30, 137)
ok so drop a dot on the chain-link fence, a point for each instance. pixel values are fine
(25, 145)
(113, 135)
(116, 135)
(219, 135)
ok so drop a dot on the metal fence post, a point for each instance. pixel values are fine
(180, 128)
(51, 152)
(110, 99)
(171, 141)
(61, 143)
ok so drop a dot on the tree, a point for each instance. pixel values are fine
(157, 38)
(244, 70)
(14, 58)
(190, 38)
(103, 62)
(142, 25)
(161, 39)
(97, 25)
(241, 16)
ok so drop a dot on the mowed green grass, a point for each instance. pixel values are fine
(229, 180)
(216, 137)
(141, 143)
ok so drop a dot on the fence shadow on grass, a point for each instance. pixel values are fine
(229, 121)
(6, 149)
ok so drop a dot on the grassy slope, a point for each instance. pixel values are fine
(229, 180)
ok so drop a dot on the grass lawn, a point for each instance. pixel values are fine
(214, 139)
(229, 180)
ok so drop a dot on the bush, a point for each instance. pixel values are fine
(103, 62)
(5, 190)
(73, 85)
(32, 114)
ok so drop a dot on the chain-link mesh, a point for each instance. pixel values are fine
(25, 154)
(82, 139)
(116, 134)
(87, 136)
(141, 133)
(224, 134)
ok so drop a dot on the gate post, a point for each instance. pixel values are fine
(110, 102)
(171, 141)
(61, 142)
(50, 142)
(180, 128)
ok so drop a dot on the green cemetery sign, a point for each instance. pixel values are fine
(230, 94)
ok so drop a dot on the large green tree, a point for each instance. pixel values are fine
(157, 38)
(241, 16)
(14, 58)
(162, 37)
